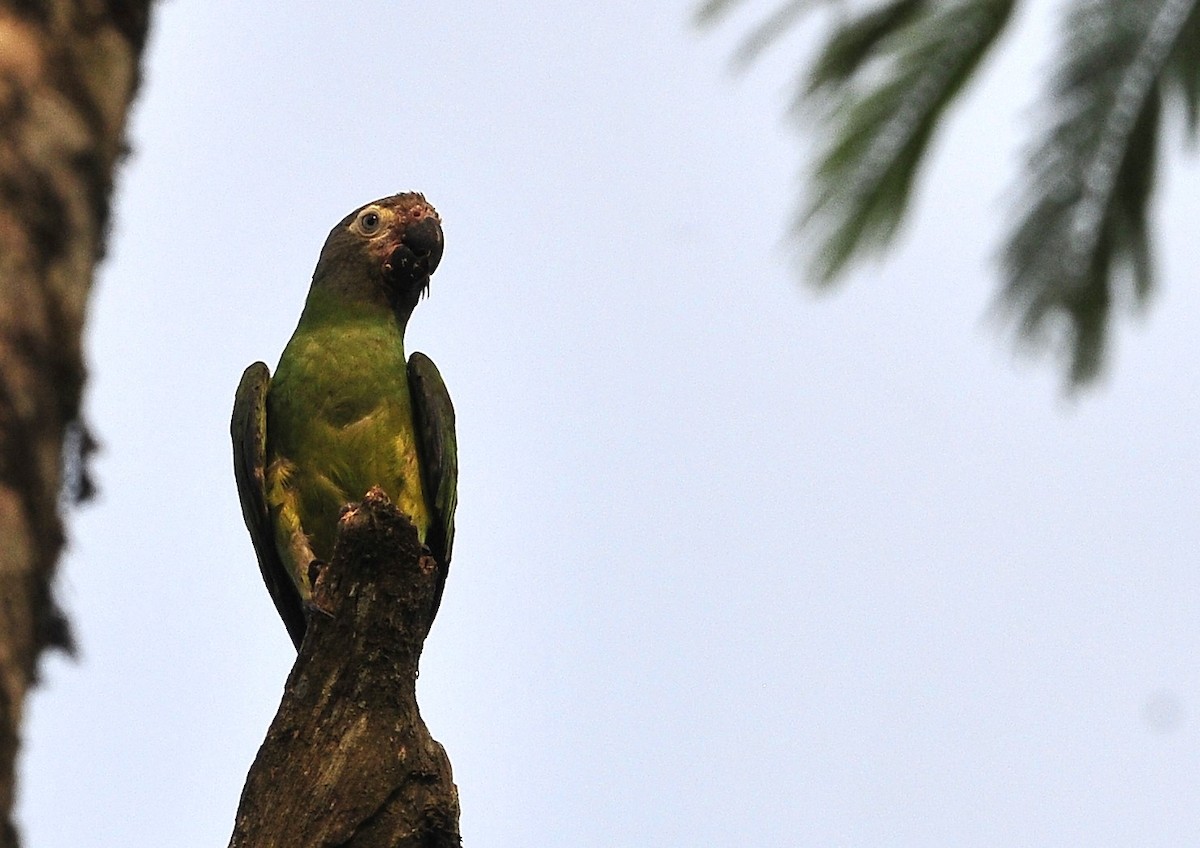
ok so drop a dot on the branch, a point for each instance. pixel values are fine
(348, 760)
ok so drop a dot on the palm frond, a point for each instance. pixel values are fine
(711, 11)
(1182, 73)
(770, 30)
(883, 83)
(855, 42)
(1089, 182)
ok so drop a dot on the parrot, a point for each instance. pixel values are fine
(345, 411)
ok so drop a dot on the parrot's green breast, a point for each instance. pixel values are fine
(339, 421)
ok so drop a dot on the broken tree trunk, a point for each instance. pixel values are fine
(348, 760)
(68, 73)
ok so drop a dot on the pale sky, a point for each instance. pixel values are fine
(736, 565)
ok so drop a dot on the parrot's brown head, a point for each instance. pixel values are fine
(387, 248)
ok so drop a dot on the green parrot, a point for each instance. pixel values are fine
(345, 411)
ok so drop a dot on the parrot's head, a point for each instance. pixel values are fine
(385, 249)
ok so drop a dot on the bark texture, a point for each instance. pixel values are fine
(68, 72)
(348, 760)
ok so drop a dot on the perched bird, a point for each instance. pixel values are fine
(345, 411)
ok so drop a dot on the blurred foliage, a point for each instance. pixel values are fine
(880, 86)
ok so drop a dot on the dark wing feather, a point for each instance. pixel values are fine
(249, 431)
(433, 419)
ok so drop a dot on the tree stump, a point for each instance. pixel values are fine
(347, 760)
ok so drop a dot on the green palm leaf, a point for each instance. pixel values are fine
(1181, 77)
(881, 86)
(712, 10)
(771, 28)
(853, 44)
(763, 35)
(1083, 241)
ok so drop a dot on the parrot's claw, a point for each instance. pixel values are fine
(312, 605)
(316, 569)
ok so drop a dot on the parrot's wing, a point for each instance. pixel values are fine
(433, 419)
(249, 431)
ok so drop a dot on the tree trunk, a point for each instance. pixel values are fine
(68, 72)
(348, 760)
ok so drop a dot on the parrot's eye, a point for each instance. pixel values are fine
(369, 222)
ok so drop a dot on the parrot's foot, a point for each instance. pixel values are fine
(316, 569)
(310, 604)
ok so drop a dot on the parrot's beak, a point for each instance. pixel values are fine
(416, 256)
(424, 239)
